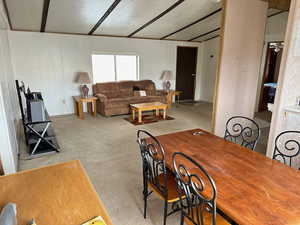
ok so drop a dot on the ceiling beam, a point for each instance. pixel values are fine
(279, 4)
(193, 23)
(7, 14)
(202, 35)
(105, 15)
(157, 17)
(211, 38)
(45, 15)
(275, 14)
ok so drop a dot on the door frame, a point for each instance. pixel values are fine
(195, 83)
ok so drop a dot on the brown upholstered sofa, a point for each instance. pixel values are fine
(114, 97)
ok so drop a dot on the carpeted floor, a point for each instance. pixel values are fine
(264, 120)
(108, 150)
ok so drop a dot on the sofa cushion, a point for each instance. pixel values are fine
(150, 89)
(126, 84)
(101, 97)
(109, 89)
(125, 101)
(143, 99)
(125, 92)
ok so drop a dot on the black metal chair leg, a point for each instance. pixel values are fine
(181, 219)
(165, 212)
(145, 206)
(145, 192)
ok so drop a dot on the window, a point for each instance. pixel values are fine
(114, 67)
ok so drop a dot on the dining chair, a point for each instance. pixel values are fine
(287, 148)
(199, 207)
(156, 176)
(243, 131)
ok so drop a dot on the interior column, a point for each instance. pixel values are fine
(288, 90)
(242, 42)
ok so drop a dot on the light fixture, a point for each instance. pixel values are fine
(167, 76)
(277, 46)
(83, 79)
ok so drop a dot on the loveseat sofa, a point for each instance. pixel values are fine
(114, 97)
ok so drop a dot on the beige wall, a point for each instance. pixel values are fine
(8, 102)
(207, 68)
(289, 80)
(243, 38)
(53, 60)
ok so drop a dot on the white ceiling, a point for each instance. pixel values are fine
(187, 12)
(75, 16)
(129, 15)
(25, 15)
(80, 16)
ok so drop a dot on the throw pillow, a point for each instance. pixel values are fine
(8, 215)
(126, 92)
(136, 93)
(143, 93)
(139, 93)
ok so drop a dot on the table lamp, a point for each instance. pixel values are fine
(83, 79)
(166, 77)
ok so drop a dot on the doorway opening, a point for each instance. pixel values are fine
(270, 76)
(266, 90)
(196, 77)
(186, 68)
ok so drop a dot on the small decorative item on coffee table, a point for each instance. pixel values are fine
(149, 106)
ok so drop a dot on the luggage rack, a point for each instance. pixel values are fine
(39, 135)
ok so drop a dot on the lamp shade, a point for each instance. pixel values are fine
(167, 75)
(83, 78)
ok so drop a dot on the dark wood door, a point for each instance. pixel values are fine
(186, 71)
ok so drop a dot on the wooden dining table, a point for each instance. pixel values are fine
(60, 194)
(251, 188)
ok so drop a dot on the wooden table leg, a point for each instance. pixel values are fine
(89, 107)
(157, 112)
(76, 108)
(133, 113)
(177, 99)
(80, 110)
(170, 96)
(140, 116)
(94, 107)
(165, 113)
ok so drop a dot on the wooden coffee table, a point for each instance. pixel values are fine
(149, 106)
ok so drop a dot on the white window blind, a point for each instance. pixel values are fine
(114, 67)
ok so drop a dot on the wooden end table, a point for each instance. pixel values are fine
(170, 95)
(91, 105)
(149, 106)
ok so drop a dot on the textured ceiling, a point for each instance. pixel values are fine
(187, 20)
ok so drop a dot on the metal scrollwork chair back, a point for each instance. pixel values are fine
(199, 189)
(243, 131)
(155, 174)
(287, 148)
(153, 157)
